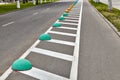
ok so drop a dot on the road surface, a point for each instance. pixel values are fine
(99, 47)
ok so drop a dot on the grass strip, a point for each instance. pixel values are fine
(113, 16)
(12, 7)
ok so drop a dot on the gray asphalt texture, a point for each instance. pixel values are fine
(99, 49)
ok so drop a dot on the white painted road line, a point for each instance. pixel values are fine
(74, 68)
(68, 28)
(69, 23)
(62, 33)
(8, 24)
(62, 42)
(42, 75)
(6, 74)
(47, 8)
(35, 13)
(71, 18)
(29, 50)
(74, 14)
(53, 54)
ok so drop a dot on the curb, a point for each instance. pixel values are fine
(108, 22)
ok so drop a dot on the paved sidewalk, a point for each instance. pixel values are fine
(116, 3)
(100, 48)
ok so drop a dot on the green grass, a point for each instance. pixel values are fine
(113, 16)
(12, 7)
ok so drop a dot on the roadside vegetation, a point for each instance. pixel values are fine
(12, 6)
(113, 16)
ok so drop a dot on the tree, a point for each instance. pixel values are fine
(18, 4)
(36, 2)
(110, 5)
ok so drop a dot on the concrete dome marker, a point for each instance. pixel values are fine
(56, 25)
(61, 18)
(75, 3)
(67, 11)
(44, 37)
(21, 65)
(65, 14)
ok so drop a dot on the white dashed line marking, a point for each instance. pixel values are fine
(8, 24)
(35, 13)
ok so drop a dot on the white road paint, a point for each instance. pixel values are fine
(35, 13)
(63, 33)
(53, 54)
(74, 14)
(47, 8)
(62, 42)
(68, 28)
(74, 68)
(71, 18)
(69, 23)
(8, 24)
(6, 74)
(29, 50)
(42, 75)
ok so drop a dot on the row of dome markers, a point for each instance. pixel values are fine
(24, 64)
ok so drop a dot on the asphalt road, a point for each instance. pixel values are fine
(99, 49)
(20, 29)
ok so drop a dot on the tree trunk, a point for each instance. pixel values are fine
(18, 4)
(97, 1)
(24, 1)
(110, 5)
(36, 2)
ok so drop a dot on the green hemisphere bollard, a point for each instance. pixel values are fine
(56, 25)
(65, 14)
(75, 3)
(61, 18)
(44, 37)
(21, 65)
